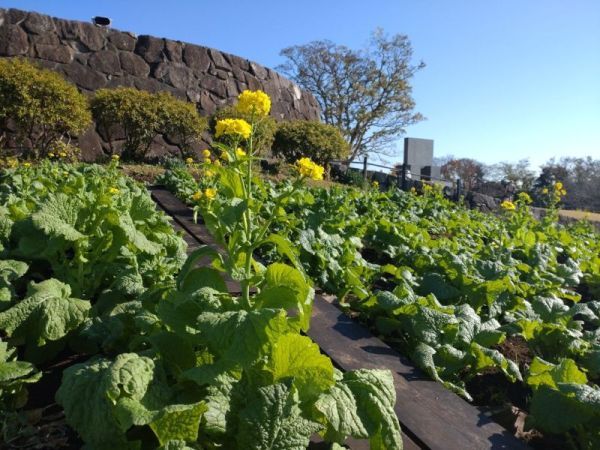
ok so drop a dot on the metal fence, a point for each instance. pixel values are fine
(401, 176)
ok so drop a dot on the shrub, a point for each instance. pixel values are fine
(315, 140)
(264, 127)
(181, 122)
(141, 116)
(41, 105)
(130, 111)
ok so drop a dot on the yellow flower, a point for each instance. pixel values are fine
(508, 205)
(563, 192)
(225, 156)
(233, 127)
(197, 196)
(206, 153)
(375, 184)
(207, 161)
(209, 173)
(113, 190)
(189, 161)
(413, 190)
(545, 191)
(558, 186)
(239, 152)
(525, 198)
(51, 155)
(254, 102)
(308, 168)
(26, 164)
(115, 157)
(210, 193)
(217, 163)
(62, 154)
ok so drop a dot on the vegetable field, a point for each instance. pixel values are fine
(115, 335)
(503, 310)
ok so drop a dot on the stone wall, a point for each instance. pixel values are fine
(94, 58)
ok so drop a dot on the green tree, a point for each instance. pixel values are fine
(365, 93)
(41, 105)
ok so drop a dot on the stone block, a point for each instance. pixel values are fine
(105, 61)
(84, 77)
(174, 51)
(196, 58)
(13, 40)
(121, 40)
(134, 64)
(150, 48)
(57, 53)
(15, 16)
(219, 59)
(38, 24)
(177, 75)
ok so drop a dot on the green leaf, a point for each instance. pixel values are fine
(58, 217)
(179, 422)
(297, 357)
(548, 374)
(286, 287)
(340, 412)
(273, 420)
(193, 259)
(203, 277)
(560, 410)
(48, 313)
(238, 338)
(375, 397)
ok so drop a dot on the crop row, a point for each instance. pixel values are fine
(503, 310)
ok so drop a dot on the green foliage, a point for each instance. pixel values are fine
(303, 138)
(42, 106)
(454, 289)
(141, 116)
(264, 127)
(180, 121)
(88, 227)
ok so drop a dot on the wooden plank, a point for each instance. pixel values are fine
(427, 411)
(431, 416)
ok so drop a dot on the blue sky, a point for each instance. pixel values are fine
(505, 79)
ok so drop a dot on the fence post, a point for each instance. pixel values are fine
(458, 189)
(365, 169)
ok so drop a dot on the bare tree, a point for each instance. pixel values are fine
(365, 93)
(470, 172)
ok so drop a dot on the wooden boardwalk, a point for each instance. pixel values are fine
(431, 416)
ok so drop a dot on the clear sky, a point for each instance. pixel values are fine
(505, 79)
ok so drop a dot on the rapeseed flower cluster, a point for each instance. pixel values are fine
(239, 152)
(206, 153)
(508, 205)
(113, 191)
(559, 189)
(525, 198)
(189, 161)
(234, 128)
(208, 193)
(255, 103)
(310, 169)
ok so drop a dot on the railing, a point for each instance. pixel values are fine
(404, 177)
